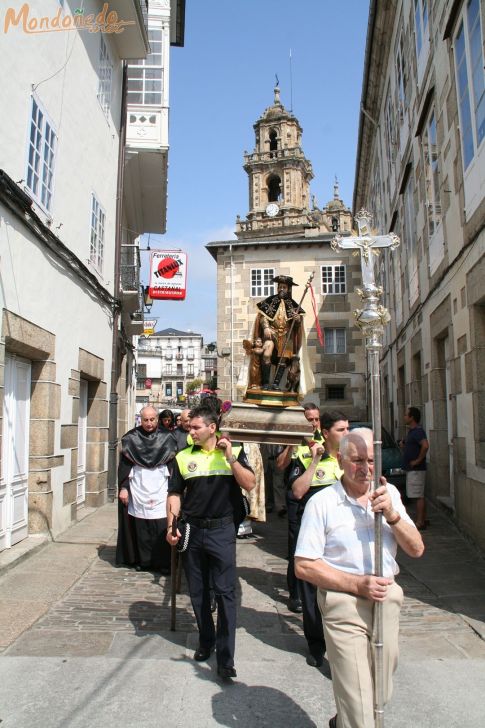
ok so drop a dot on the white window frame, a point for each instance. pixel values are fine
(333, 286)
(474, 166)
(41, 156)
(402, 87)
(330, 340)
(146, 76)
(421, 25)
(105, 75)
(431, 169)
(391, 140)
(98, 227)
(409, 235)
(402, 80)
(263, 287)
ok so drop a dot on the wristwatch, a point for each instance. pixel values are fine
(232, 459)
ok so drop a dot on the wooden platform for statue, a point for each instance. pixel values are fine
(276, 425)
(275, 398)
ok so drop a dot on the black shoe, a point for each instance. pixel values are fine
(294, 605)
(314, 661)
(226, 672)
(202, 653)
(332, 723)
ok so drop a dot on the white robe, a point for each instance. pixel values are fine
(148, 492)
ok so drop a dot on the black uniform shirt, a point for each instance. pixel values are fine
(207, 496)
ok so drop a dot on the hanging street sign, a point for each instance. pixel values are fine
(168, 275)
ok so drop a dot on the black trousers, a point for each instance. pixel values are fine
(293, 527)
(312, 618)
(210, 563)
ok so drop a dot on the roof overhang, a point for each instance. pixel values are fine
(216, 246)
(132, 41)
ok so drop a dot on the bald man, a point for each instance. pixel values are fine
(181, 432)
(143, 479)
(335, 552)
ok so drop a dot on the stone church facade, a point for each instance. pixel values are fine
(286, 233)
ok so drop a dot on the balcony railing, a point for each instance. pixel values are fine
(130, 268)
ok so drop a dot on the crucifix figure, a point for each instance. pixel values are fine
(368, 244)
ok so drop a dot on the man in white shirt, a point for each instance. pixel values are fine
(335, 552)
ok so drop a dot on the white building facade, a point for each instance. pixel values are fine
(421, 172)
(168, 361)
(70, 267)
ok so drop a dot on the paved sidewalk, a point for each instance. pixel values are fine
(87, 644)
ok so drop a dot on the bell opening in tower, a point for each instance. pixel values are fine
(274, 188)
(273, 141)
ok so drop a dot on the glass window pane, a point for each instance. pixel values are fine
(153, 99)
(135, 98)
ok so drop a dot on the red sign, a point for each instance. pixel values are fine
(148, 383)
(168, 275)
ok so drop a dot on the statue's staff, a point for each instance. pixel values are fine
(371, 319)
(290, 331)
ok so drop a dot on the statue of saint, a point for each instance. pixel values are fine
(278, 321)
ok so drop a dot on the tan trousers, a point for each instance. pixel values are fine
(347, 623)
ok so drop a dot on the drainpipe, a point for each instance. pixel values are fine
(113, 395)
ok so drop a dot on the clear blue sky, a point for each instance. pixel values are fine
(220, 83)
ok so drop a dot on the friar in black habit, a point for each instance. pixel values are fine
(146, 452)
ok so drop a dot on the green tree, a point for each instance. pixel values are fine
(193, 386)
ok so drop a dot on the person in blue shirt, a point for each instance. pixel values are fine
(415, 446)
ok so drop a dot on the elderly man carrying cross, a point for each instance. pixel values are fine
(335, 552)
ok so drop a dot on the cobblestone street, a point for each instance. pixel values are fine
(74, 621)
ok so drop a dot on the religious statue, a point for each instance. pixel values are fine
(279, 320)
(293, 376)
(259, 352)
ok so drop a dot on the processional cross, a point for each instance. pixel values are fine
(371, 319)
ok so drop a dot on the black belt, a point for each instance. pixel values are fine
(210, 522)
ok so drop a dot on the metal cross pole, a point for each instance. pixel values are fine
(371, 319)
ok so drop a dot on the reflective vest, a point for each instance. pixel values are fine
(327, 470)
(201, 464)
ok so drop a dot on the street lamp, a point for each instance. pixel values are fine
(223, 354)
(147, 299)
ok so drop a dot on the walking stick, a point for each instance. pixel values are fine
(173, 579)
(371, 319)
(290, 330)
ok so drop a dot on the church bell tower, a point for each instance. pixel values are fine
(279, 177)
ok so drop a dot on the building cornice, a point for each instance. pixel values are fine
(216, 245)
(381, 20)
